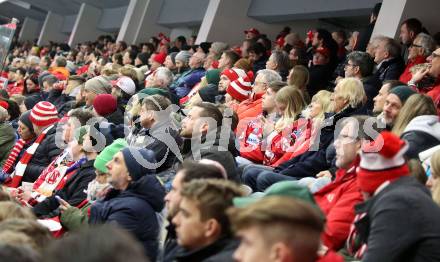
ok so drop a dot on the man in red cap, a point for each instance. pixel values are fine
(399, 220)
(252, 33)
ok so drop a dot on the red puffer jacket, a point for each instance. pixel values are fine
(337, 201)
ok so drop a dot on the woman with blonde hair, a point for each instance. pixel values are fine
(311, 122)
(289, 102)
(319, 105)
(433, 180)
(418, 124)
(348, 93)
(416, 105)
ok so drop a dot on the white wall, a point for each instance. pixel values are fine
(51, 30)
(111, 18)
(30, 29)
(68, 23)
(86, 25)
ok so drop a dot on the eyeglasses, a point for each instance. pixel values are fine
(414, 45)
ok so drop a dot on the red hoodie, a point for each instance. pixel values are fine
(337, 201)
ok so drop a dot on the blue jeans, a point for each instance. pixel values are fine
(260, 178)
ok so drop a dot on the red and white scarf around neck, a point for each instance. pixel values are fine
(15, 179)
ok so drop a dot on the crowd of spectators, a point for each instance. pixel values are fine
(322, 147)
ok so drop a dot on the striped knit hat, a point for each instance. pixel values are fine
(234, 73)
(44, 114)
(240, 89)
(382, 160)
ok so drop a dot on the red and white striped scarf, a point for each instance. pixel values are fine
(13, 155)
(355, 247)
(15, 179)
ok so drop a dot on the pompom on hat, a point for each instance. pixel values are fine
(382, 160)
(4, 104)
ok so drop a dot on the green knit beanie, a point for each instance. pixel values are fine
(107, 154)
(213, 76)
(403, 92)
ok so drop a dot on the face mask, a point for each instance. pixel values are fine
(94, 189)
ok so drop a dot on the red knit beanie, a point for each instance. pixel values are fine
(160, 58)
(4, 104)
(240, 89)
(44, 114)
(382, 160)
(105, 104)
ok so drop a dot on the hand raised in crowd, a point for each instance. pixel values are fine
(63, 204)
(419, 75)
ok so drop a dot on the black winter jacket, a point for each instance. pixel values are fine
(391, 69)
(33, 98)
(134, 209)
(163, 141)
(401, 224)
(222, 149)
(219, 251)
(43, 156)
(74, 191)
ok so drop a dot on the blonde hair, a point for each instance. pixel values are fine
(299, 77)
(110, 69)
(352, 90)
(416, 105)
(323, 99)
(292, 97)
(40, 236)
(129, 71)
(13, 210)
(435, 172)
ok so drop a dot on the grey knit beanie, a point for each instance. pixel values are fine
(98, 85)
(183, 56)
